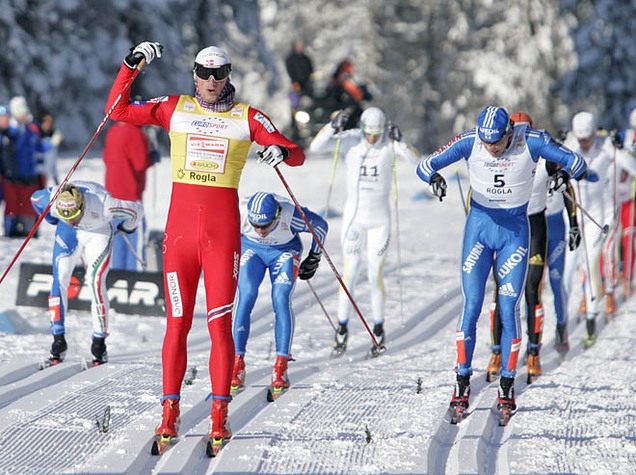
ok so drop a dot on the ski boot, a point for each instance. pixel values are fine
(590, 337)
(610, 306)
(98, 349)
(169, 428)
(494, 366)
(506, 399)
(280, 381)
(340, 339)
(459, 401)
(534, 365)
(561, 343)
(58, 349)
(220, 431)
(378, 331)
(238, 374)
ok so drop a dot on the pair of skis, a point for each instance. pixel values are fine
(164, 442)
(161, 443)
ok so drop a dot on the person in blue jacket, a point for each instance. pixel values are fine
(270, 227)
(501, 160)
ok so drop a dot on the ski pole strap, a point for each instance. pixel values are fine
(170, 396)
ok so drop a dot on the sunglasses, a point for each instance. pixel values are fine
(219, 74)
(263, 226)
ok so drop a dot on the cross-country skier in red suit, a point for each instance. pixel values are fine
(211, 135)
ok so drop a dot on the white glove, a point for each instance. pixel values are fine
(148, 50)
(273, 155)
(57, 138)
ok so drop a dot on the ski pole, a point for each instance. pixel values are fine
(132, 249)
(324, 310)
(589, 282)
(336, 155)
(326, 254)
(461, 191)
(397, 230)
(604, 229)
(99, 129)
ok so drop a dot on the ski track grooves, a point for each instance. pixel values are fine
(133, 417)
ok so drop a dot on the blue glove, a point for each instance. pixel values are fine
(591, 176)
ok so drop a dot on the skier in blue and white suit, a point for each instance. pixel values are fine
(270, 225)
(501, 160)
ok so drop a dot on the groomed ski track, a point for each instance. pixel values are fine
(335, 407)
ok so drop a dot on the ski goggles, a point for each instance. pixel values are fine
(219, 74)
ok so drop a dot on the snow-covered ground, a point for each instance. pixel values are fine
(350, 415)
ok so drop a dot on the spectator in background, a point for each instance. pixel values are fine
(7, 148)
(127, 156)
(344, 92)
(300, 69)
(51, 139)
(21, 177)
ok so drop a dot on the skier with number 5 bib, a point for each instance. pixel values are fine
(211, 134)
(501, 160)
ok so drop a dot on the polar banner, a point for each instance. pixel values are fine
(137, 293)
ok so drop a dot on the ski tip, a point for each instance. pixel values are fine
(161, 444)
(214, 446)
(275, 393)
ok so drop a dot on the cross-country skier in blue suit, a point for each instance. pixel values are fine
(270, 225)
(501, 160)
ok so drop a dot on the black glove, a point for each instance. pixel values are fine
(438, 185)
(147, 50)
(616, 139)
(562, 134)
(309, 266)
(340, 120)
(395, 133)
(574, 238)
(120, 227)
(559, 179)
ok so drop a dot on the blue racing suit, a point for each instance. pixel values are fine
(279, 252)
(497, 224)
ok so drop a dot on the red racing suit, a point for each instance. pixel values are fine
(208, 151)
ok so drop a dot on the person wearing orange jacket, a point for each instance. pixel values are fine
(211, 134)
